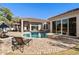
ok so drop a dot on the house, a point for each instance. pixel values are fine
(31, 24)
(66, 23)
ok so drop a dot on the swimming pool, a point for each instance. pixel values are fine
(35, 35)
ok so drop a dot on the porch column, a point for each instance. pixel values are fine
(30, 27)
(61, 28)
(67, 26)
(77, 26)
(39, 27)
(22, 26)
(17, 27)
(51, 27)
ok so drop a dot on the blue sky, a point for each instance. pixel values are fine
(39, 10)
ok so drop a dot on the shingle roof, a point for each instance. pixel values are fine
(34, 20)
(77, 9)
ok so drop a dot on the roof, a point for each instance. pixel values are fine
(34, 20)
(70, 11)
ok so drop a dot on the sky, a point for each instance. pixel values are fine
(39, 10)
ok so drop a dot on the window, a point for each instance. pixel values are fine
(45, 26)
(58, 23)
(34, 27)
(68, 26)
(64, 26)
(54, 26)
(72, 26)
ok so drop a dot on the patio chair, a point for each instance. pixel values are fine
(27, 41)
(18, 43)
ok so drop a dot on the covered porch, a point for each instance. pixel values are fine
(31, 25)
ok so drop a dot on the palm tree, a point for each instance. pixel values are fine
(5, 12)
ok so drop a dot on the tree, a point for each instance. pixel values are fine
(5, 12)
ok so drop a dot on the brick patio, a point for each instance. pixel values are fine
(37, 46)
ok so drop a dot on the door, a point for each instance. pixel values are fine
(72, 26)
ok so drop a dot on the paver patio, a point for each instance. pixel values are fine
(37, 46)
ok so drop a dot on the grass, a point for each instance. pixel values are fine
(72, 51)
(68, 52)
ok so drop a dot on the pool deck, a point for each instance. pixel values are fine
(39, 46)
(17, 34)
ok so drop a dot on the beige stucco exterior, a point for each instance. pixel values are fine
(31, 24)
(66, 16)
(77, 25)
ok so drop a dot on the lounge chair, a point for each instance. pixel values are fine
(27, 41)
(18, 43)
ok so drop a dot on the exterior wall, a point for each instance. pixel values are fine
(46, 27)
(39, 24)
(50, 26)
(67, 17)
(63, 16)
(21, 26)
(77, 25)
(35, 24)
(16, 27)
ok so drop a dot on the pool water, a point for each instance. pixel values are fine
(35, 35)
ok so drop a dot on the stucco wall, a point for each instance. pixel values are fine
(77, 25)
(66, 17)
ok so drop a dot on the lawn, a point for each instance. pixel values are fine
(67, 52)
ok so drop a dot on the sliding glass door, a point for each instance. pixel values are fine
(54, 26)
(65, 26)
(72, 26)
(58, 23)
